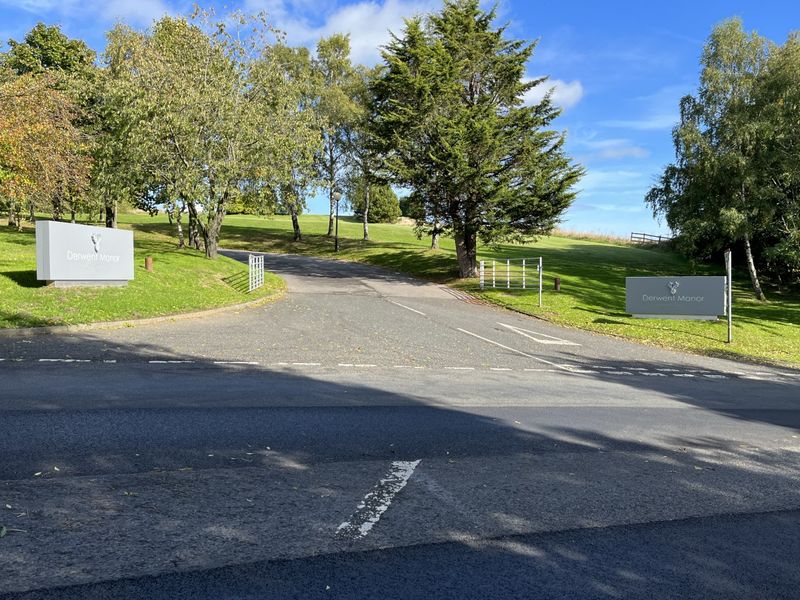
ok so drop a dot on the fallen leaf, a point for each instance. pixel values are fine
(8, 506)
(39, 474)
(56, 469)
(3, 531)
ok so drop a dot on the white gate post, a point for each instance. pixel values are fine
(494, 270)
(482, 274)
(729, 293)
(508, 273)
(540, 282)
(523, 273)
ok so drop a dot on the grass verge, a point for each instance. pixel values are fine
(181, 281)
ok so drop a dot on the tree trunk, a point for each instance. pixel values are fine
(298, 235)
(751, 268)
(12, 216)
(332, 211)
(435, 235)
(194, 235)
(366, 212)
(31, 213)
(179, 227)
(72, 216)
(466, 252)
(111, 213)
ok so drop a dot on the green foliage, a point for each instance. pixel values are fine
(384, 206)
(453, 129)
(48, 49)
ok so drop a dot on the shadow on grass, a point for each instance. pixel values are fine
(26, 279)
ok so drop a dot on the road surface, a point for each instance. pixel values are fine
(372, 435)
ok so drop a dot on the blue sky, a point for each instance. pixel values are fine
(618, 68)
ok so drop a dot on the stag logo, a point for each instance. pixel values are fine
(673, 287)
(96, 238)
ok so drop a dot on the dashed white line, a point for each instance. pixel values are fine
(376, 502)
(520, 352)
(460, 368)
(419, 312)
(65, 360)
(649, 374)
(306, 364)
(682, 375)
(499, 369)
(170, 362)
(235, 362)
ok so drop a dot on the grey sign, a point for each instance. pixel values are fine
(675, 297)
(69, 254)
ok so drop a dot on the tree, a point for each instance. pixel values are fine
(43, 161)
(213, 115)
(454, 129)
(384, 207)
(67, 66)
(48, 49)
(714, 195)
(336, 110)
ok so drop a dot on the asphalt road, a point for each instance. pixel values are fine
(371, 435)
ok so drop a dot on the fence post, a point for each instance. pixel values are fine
(729, 292)
(540, 282)
(523, 273)
(508, 273)
(482, 274)
(494, 271)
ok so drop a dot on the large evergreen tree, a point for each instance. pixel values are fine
(450, 113)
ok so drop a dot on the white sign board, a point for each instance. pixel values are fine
(68, 254)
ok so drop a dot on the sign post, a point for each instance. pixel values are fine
(729, 293)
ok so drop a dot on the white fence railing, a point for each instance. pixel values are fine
(256, 264)
(512, 274)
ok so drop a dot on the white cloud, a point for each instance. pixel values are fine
(138, 12)
(565, 94)
(649, 123)
(615, 148)
(368, 22)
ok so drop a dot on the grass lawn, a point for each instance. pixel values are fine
(593, 275)
(182, 281)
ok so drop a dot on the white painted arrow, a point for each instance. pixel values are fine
(538, 337)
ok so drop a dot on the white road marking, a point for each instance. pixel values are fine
(682, 375)
(668, 370)
(170, 362)
(65, 360)
(235, 362)
(419, 312)
(543, 370)
(376, 502)
(520, 352)
(306, 364)
(460, 368)
(365, 365)
(619, 372)
(346, 364)
(537, 337)
(649, 374)
(710, 376)
(499, 369)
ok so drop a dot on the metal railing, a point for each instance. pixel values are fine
(256, 265)
(512, 274)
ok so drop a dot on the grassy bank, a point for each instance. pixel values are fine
(181, 281)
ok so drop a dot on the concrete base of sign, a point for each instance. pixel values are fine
(85, 283)
(678, 317)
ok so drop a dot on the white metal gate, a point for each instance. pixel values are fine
(256, 264)
(512, 274)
